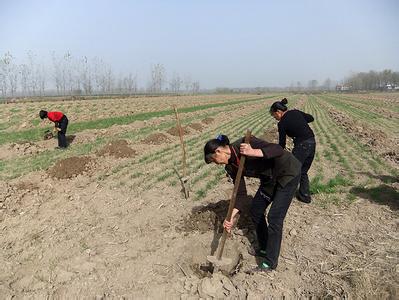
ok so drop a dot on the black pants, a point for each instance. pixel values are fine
(304, 152)
(270, 234)
(63, 124)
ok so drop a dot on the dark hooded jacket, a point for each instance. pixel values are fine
(277, 166)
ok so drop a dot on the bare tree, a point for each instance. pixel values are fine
(3, 78)
(195, 87)
(99, 75)
(175, 83)
(158, 77)
(86, 76)
(187, 83)
(33, 78)
(130, 83)
(12, 76)
(68, 77)
(8, 75)
(57, 73)
(41, 79)
(109, 80)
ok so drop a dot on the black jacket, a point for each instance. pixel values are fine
(294, 123)
(276, 166)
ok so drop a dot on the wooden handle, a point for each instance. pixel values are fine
(179, 128)
(238, 178)
(234, 196)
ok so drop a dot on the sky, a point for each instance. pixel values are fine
(225, 43)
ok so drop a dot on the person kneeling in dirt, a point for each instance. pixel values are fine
(61, 123)
(294, 123)
(279, 173)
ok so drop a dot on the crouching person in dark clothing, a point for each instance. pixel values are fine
(279, 173)
(60, 122)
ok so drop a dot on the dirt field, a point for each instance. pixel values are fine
(106, 217)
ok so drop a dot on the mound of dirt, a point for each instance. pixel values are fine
(210, 218)
(71, 167)
(208, 121)
(118, 149)
(175, 131)
(156, 139)
(374, 138)
(196, 126)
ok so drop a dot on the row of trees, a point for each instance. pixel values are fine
(69, 75)
(373, 80)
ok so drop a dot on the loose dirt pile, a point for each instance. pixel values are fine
(156, 139)
(118, 149)
(196, 126)
(175, 131)
(374, 138)
(208, 121)
(210, 217)
(71, 167)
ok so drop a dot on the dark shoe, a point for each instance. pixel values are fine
(60, 148)
(304, 199)
(262, 267)
(257, 252)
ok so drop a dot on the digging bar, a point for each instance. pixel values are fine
(217, 260)
(183, 179)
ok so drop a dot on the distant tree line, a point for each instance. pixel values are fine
(373, 80)
(367, 81)
(69, 75)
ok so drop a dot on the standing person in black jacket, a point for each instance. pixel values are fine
(294, 123)
(278, 171)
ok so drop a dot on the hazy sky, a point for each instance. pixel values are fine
(220, 43)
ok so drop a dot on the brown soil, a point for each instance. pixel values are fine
(374, 138)
(71, 167)
(118, 149)
(208, 121)
(25, 148)
(270, 135)
(175, 131)
(29, 186)
(209, 218)
(156, 139)
(196, 126)
(104, 237)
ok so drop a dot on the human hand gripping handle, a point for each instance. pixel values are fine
(228, 225)
(246, 149)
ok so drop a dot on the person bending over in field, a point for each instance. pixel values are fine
(278, 171)
(60, 122)
(294, 123)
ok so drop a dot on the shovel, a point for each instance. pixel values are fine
(183, 179)
(217, 260)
